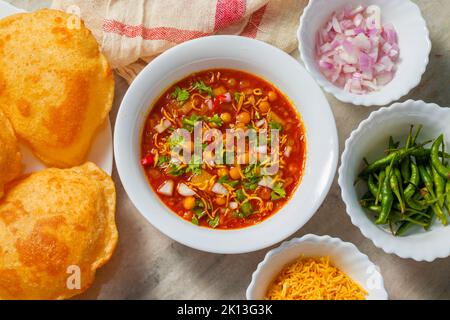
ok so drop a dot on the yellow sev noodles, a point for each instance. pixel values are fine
(314, 279)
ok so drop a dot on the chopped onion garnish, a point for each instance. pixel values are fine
(354, 50)
(163, 126)
(260, 123)
(233, 205)
(210, 104)
(166, 188)
(184, 190)
(267, 182)
(287, 151)
(219, 189)
(227, 97)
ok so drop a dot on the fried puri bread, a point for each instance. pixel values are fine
(57, 227)
(10, 157)
(56, 87)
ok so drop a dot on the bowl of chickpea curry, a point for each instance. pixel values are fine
(221, 194)
(221, 151)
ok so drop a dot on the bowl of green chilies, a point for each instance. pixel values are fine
(395, 179)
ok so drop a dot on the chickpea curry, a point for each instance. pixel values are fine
(227, 195)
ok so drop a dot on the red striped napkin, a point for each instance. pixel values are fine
(132, 33)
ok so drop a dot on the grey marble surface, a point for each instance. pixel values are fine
(149, 265)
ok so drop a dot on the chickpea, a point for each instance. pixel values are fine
(272, 96)
(243, 117)
(220, 201)
(222, 172)
(264, 107)
(219, 91)
(231, 82)
(189, 203)
(226, 117)
(234, 173)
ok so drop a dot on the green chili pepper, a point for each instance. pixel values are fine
(437, 210)
(437, 164)
(405, 226)
(381, 178)
(426, 178)
(387, 197)
(396, 190)
(424, 153)
(405, 169)
(376, 209)
(384, 162)
(439, 184)
(413, 181)
(373, 188)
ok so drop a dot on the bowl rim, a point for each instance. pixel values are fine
(324, 239)
(360, 220)
(123, 162)
(366, 100)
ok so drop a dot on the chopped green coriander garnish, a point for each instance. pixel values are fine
(203, 88)
(180, 95)
(278, 192)
(275, 125)
(213, 223)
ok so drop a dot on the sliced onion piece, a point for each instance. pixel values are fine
(184, 190)
(227, 97)
(233, 205)
(287, 151)
(210, 104)
(163, 126)
(336, 25)
(166, 188)
(219, 189)
(267, 182)
(260, 123)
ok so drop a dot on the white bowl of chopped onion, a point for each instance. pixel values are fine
(344, 264)
(365, 52)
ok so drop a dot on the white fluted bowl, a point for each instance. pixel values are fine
(414, 43)
(370, 140)
(343, 255)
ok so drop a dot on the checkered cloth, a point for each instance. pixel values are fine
(132, 33)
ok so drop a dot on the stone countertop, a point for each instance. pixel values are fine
(149, 265)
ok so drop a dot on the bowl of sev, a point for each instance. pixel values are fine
(316, 268)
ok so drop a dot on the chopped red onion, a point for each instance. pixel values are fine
(357, 53)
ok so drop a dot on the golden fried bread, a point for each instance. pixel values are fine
(10, 157)
(55, 225)
(56, 87)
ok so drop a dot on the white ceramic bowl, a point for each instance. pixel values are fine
(343, 255)
(370, 140)
(414, 42)
(257, 58)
